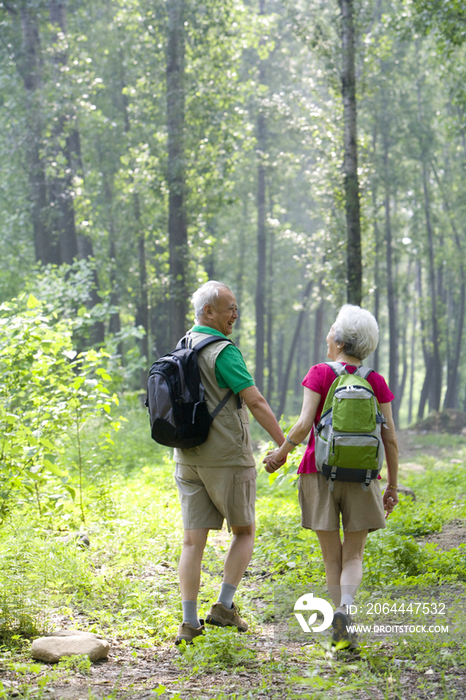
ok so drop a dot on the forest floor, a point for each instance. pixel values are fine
(266, 665)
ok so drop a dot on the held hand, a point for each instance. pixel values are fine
(390, 499)
(272, 463)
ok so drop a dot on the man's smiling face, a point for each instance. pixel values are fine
(224, 313)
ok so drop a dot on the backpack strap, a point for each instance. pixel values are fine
(186, 341)
(363, 372)
(338, 368)
(210, 339)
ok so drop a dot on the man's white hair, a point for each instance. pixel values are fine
(357, 330)
(207, 294)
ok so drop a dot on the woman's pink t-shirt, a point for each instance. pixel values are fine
(319, 379)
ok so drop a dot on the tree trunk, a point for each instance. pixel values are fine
(425, 350)
(450, 400)
(413, 360)
(114, 325)
(376, 256)
(294, 342)
(61, 184)
(30, 67)
(177, 226)
(240, 275)
(280, 373)
(435, 378)
(270, 317)
(318, 331)
(142, 317)
(350, 166)
(404, 343)
(261, 234)
(391, 297)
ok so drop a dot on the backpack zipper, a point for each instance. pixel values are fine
(351, 387)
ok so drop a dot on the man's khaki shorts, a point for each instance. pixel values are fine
(321, 508)
(210, 494)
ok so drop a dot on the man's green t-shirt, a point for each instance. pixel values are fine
(230, 368)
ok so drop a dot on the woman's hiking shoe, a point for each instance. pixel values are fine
(186, 632)
(354, 644)
(340, 624)
(220, 616)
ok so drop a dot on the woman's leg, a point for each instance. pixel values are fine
(343, 562)
(331, 547)
(352, 553)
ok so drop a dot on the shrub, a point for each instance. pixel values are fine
(48, 393)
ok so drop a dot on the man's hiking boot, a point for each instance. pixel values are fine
(220, 616)
(187, 632)
(340, 623)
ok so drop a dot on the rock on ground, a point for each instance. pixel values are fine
(69, 643)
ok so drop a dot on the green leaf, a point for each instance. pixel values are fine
(32, 302)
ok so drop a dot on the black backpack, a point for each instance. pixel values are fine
(176, 397)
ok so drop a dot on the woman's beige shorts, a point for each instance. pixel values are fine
(321, 508)
(210, 494)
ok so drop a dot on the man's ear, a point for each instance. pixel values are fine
(207, 310)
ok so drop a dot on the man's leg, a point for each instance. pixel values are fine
(189, 572)
(331, 547)
(239, 554)
(224, 613)
(236, 562)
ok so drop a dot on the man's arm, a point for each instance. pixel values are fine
(262, 412)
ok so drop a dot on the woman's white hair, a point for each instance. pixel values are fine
(207, 294)
(357, 330)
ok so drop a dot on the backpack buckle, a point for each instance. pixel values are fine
(367, 481)
(332, 477)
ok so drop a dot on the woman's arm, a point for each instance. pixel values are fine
(390, 496)
(298, 432)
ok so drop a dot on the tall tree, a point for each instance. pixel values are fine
(350, 165)
(261, 229)
(30, 69)
(66, 149)
(391, 293)
(176, 169)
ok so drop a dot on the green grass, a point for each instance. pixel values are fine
(125, 584)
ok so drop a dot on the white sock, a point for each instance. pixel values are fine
(346, 599)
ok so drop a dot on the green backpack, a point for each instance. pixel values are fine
(348, 437)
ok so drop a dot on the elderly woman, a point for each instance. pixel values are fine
(353, 336)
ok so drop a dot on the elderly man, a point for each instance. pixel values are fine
(217, 479)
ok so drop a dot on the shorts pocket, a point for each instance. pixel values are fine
(245, 488)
